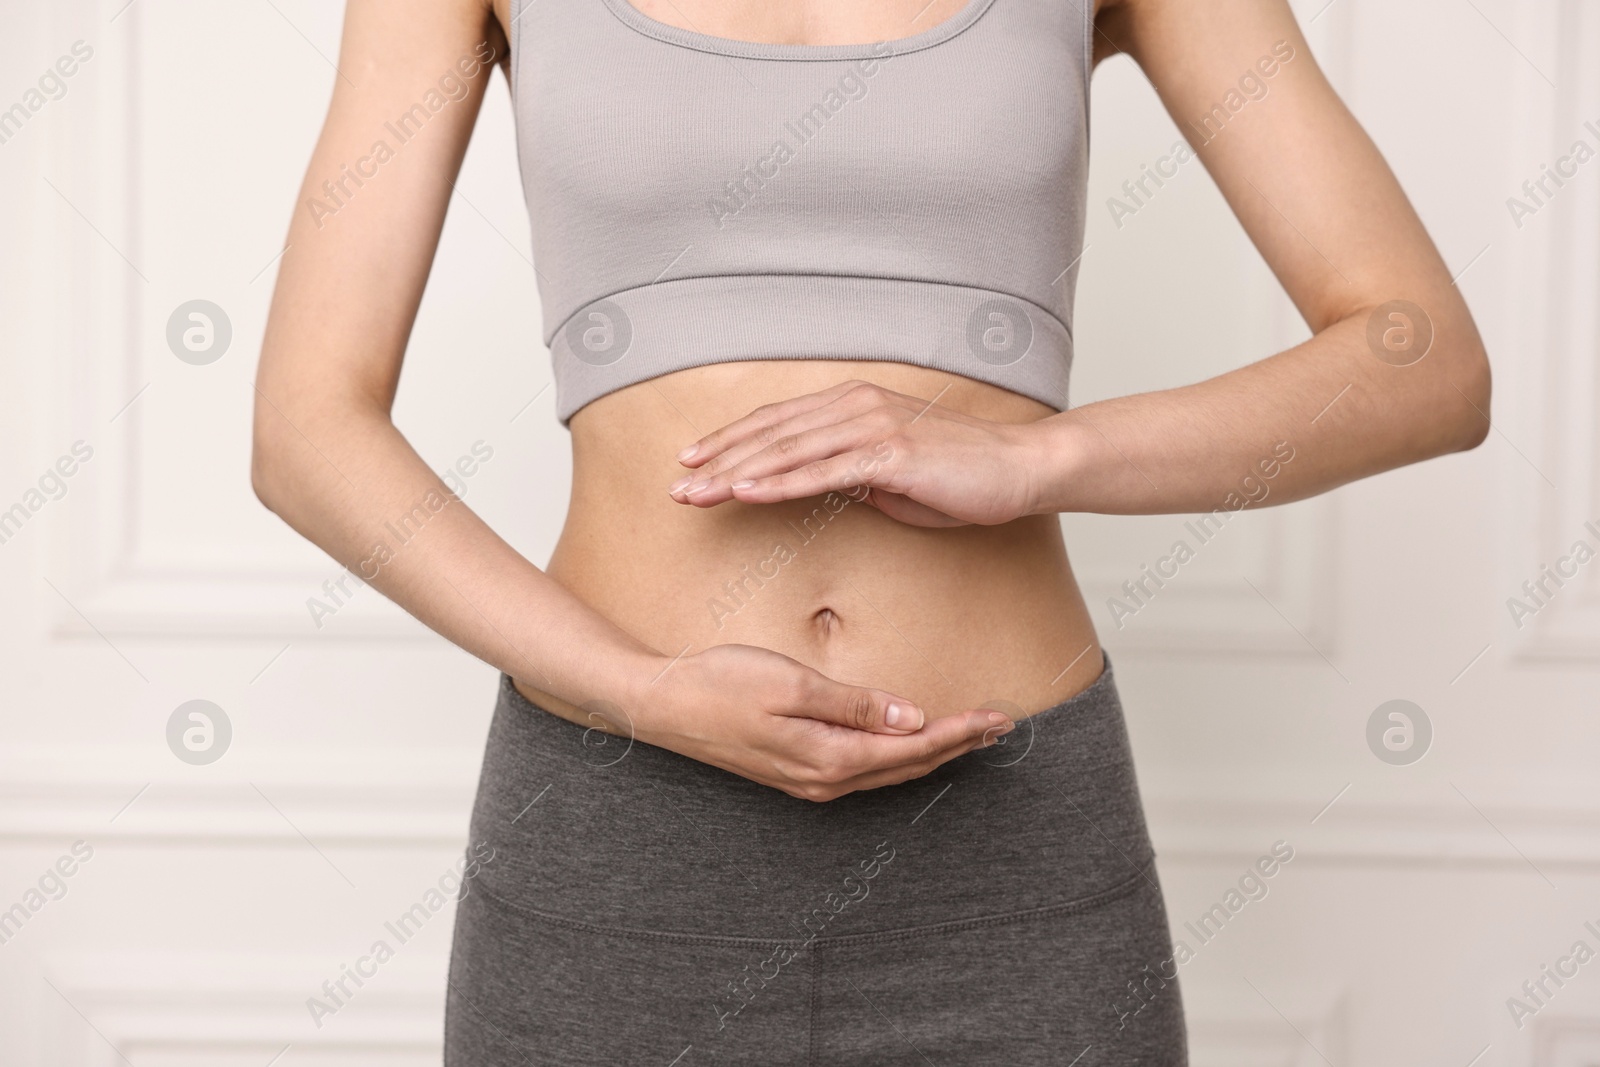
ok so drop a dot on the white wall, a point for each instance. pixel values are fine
(220, 896)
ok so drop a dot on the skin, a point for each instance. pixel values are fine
(933, 580)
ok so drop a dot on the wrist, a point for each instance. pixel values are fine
(645, 684)
(608, 688)
(1053, 454)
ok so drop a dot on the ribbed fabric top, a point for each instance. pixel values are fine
(697, 200)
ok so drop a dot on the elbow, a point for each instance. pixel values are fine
(271, 455)
(290, 446)
(1471, 389)
(264, 463)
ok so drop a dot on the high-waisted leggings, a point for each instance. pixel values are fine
(640, 908)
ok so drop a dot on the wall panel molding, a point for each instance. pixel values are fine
(1295, 547)
(161, 1008)
(1554, 384)
(1566, 1040)
(413, 808)
(115, 349)
(1240, 1029)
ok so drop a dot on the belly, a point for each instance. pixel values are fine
(949, 618)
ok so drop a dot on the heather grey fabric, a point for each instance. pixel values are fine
(644, 908)
(696, 200)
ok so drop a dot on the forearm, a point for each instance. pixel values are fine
(357, 492)
(1291, 426)
(365, 497)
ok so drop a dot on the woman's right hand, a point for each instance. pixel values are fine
(768, 718)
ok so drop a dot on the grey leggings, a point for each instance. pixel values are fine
(641, 908)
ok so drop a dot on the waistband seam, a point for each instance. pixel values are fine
(800, 276)
(950, 926)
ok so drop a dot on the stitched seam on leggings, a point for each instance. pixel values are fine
(811, 1026)
(955, 926)
(1105, 896)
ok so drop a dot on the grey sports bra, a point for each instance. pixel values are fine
(701, 200)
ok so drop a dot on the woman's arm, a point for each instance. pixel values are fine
(1327, 214)
(1325, 211)
(327, 457)
(330, 461)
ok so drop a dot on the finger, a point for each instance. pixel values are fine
(765, 424)
(941, 740)
(860, 708)
(839, 410)
(845, 473)
(813, 449)
(885, 761)
(708, 487)
(902, 508)
(716, 442)
(907, 772)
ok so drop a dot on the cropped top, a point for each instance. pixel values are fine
(697, 199)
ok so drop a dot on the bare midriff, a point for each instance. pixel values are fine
(950, 618)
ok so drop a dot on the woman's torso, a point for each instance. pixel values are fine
(950, 618)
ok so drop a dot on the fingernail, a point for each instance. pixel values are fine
(906, 717)
(1002, 720)
(679, 485)
(698, 487)
(743, 485)
(687, 454)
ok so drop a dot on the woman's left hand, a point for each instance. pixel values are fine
(916, 462)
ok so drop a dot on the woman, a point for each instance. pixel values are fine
(806, 274)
